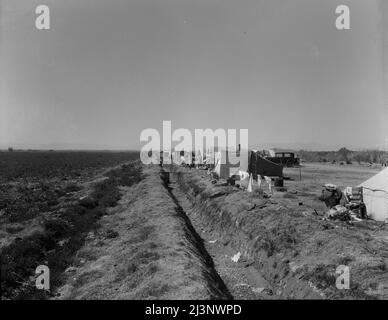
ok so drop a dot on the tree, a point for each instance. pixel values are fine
(344, 154)
(358, 157)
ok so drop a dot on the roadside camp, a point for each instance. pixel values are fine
(367, 200)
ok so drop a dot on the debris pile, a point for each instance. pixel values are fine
(344, 205)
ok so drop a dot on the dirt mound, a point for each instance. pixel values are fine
(155, 254)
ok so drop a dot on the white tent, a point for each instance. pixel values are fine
(223, 161)
(375, 191)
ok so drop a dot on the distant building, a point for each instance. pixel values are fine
(10, 149)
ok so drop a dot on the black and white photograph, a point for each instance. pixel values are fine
(209, 154)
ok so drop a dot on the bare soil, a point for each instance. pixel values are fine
(151, 232)
(156, 253)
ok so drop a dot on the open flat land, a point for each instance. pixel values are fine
(111, 228)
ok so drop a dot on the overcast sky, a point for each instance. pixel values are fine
(109, 69)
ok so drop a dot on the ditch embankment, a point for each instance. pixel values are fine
(153, 253)
(287, 249)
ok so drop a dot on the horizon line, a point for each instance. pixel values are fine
(160, 150)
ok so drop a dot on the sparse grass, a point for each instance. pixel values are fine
(345, 260)
(322, 276)
(111, 234)
(72, 187)
(141, 235)
(88, 202)
(57, 228)
(198, 188)
(88, 277)
(145, 257)
(257, 192)
(267, 244)
(132, 267)
(127, 174)
(155, 290)
(289, 195)
(107, 193)
(14, 229)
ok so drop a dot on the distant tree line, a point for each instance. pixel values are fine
(345, 155)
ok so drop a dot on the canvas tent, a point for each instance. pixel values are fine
(262, 166)
(253, 163)
(375, 194)
(224, 163)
